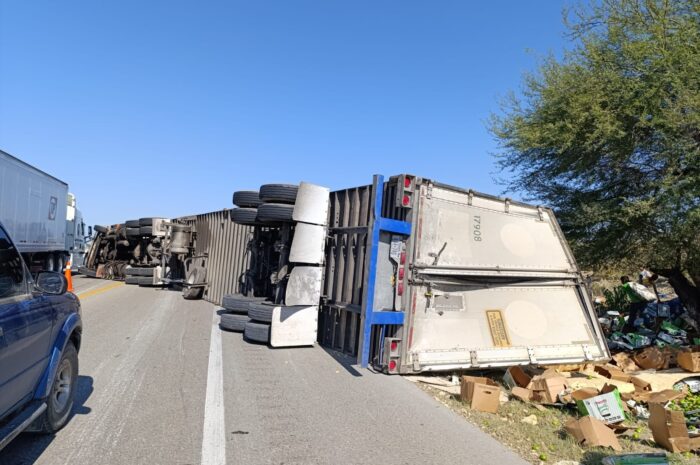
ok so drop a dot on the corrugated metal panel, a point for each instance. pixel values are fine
(349, 217)
(226, 245)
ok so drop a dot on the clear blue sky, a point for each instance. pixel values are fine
(166, 107)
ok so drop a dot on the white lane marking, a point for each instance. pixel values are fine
(214, 434)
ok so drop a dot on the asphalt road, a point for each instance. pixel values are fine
(150, 393)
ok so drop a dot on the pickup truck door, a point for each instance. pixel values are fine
(25, 329)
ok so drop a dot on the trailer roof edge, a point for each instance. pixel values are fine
(33, 167)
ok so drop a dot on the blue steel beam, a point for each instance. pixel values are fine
(372, 317)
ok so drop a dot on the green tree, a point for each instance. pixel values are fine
(609, 136)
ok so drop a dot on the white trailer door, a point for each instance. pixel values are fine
(458, 230)
(490, 324)
(494, 285)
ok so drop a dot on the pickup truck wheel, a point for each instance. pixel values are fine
(247, 199)
(279, 193)
(100, 229)
(62, 395)
(258, 332)
(244, 216)
(275, 213)
(232, 322)
(260, 311)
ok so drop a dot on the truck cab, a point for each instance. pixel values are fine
(40, 331)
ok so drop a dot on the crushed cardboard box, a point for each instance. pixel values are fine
(612, 372)
(625, 362)
(481, 393)
(651, 358)
(592, 432)
(669, 429)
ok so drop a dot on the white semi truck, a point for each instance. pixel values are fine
(40, 215)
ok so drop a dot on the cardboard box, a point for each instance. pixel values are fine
(651, 358)
(606, 407)
(690, 361)
(592, 432)
(669, 429)
(548, 386)
(526, 395)
(481, 393)
(612, 372)
(516, 377)
(640, 385)
(625, 362)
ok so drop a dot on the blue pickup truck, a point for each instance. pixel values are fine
(40, 330)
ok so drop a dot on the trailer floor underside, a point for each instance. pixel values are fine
(150, 393)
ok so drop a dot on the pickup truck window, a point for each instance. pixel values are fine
(12, 277)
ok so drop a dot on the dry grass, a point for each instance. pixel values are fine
(547, 442)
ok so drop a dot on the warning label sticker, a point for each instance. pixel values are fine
(499, 333)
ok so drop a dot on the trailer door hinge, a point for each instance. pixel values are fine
(540, 212)
(531, 355)
(507, 204)
(429, 191)
(586, 352)
(471, 197)
(474, 358)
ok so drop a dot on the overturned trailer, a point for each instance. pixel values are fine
(422, 276)
(419, 276)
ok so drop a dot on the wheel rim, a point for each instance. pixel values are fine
(62, 386)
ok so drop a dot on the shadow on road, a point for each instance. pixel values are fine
(28, 447)
(345, 361)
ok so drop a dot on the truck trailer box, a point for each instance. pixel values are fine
(423, 276)
(32, 206)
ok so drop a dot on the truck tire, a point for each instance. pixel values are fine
(132, 279)
(244, 216)
(140, 271)
(192, 293)
(275, 213)
(258, 332)
(146, 231)
(100, 229)
(261, 311)
(233, 322)
(247, 199)
(132, 224)
(278, 193)
(147, 221)
(133, 232)
(146, 281)
(236, 303)
(87, 272)
(62, 396)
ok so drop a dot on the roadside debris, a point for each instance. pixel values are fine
(483, 394)
(591, 432)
